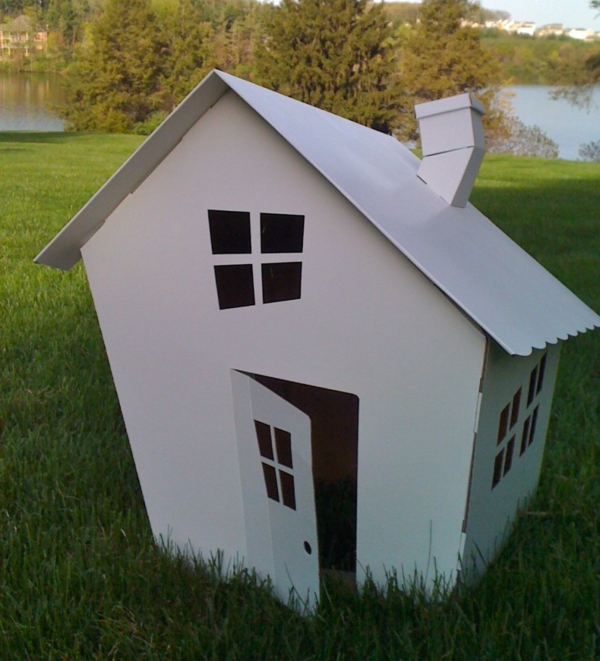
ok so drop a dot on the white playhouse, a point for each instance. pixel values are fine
(326, 358)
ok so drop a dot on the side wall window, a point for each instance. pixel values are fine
(509, 429)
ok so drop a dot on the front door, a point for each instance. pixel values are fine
(274, 449)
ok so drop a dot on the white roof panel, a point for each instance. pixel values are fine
(496, 283)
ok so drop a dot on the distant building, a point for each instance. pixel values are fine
(514, 27)
(526, 28)
(551, 30)
(21, 37)
(583, 34)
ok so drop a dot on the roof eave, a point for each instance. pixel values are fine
(64, 251)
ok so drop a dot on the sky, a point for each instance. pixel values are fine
(571, 13)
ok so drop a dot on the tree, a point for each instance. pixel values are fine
(522, 140)
(116, 84)
(188, 35)
(65, 18)
(334, 54)
(441, 57)
(585, 74)
(238, 29)
(590, 151)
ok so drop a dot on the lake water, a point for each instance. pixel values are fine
(564, 123)
(26, 102)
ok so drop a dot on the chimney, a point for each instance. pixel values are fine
(453, 146)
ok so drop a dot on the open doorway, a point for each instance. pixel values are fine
(334, 443)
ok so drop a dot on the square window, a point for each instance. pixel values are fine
(532, 384)
(516, 405)
(229, 232)
(283, 441)
(235, 285)
(534, 418)
(281, 281)
(525, 436)
(540, 382)
(288, 493)
(281, 232)
(498, 462)
(510, 447)
(263, 434)
(271, 482)
(503, 425)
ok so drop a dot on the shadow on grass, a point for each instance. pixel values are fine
(37, 137)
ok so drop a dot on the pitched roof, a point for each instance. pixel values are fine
(20, 24)
(496, 283)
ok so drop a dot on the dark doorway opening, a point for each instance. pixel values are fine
(334, 443)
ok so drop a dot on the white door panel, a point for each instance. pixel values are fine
(274, 447)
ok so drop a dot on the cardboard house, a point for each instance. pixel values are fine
(326, 358)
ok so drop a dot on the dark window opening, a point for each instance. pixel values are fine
(283, 441)
(534, 418)
(288, 493)
(541, 374)
(525, 436)
(510, 447)
(532, 385)
(271, 482)
(235, 285)
(516, 405)
(498, 463)
(334, 444)
(281, 281)
(263, 434)
(229, 232)
(503, 426)
(280, 232)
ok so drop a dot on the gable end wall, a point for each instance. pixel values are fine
(368, 322)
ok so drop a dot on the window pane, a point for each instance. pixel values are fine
(533, 425)
(281, 232)
(263, 434)
(525, 436)
(540, 382)
(271, 482)
(510, 448)
(229, 232)
(235, 285)
(283, 441)
(497, 468)
(532, 382)
(287, 489)
(503, 424)
(516, 405)
(281, 281)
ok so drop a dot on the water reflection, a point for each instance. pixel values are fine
(27, 102)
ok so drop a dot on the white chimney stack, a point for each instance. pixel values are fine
(453, 146)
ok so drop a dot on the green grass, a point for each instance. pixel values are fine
(80, 577)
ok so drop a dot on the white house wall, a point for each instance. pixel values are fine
(367, 323)
(493, 508)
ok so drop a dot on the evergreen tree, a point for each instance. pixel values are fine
(116, 85)
(238, 28)
(65, 18)
(334, 54)
(188, 34)
(440, 57)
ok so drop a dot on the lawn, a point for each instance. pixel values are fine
(80, 575)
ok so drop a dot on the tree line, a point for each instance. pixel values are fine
(128, 63)
(139, 58)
